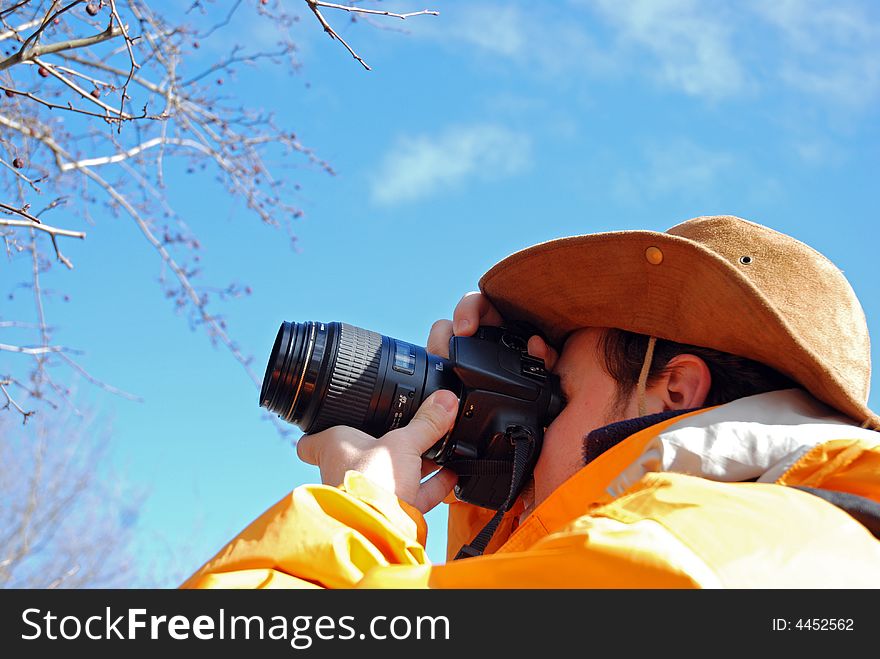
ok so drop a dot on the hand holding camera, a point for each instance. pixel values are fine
(393, 461)
(322, 375)
(473, 311)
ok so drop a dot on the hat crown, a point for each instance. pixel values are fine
(805, 288)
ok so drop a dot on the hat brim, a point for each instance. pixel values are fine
(691, 296)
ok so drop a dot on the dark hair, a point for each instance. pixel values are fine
(733, 377)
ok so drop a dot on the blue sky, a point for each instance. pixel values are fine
(478, 132)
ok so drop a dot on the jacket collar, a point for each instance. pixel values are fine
(753, 438)
(602, 439)
(756, 438)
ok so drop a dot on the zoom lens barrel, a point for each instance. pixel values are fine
(326, 374)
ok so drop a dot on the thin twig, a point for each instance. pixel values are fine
(69, 107)
(52, 231)
(11, 10)
(10, 402)
(99, 383)
(13, 32)
(31, 182)
(315, 4)
(32, 222)
(222, 23)
(380, 12)
(20, 211)
(86, 95)
(40, 376)
(134, 65)
(42, 350)
(18, 323)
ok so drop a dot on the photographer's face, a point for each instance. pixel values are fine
(591, 396)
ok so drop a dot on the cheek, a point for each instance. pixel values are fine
(561, 454)
(554, 437)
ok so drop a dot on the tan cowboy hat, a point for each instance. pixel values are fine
(718, 281)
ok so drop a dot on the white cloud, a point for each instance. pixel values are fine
(721, 49)
(424, 165)
(677, 167)
(500, 29)
(818, 151)
(541, 40)
(692, 46)
(710, 50)
(831, 50)
(811, 25)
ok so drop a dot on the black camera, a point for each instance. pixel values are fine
(327, 374)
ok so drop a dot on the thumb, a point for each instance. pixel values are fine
(432, 420)
(307, 449)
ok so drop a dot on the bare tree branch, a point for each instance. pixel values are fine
(38, 51)
(10, 402)
(99, 383)
(133, 151)
(69, 106)
(333, 35)
(61, 526)
(43, 227)
(21, 28)
(128, 45)
(379, 12)
(315, 6)
(31, 351)
(112, 113)
(73, 76)
(11, 10)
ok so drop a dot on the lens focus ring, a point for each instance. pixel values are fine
(352, 380)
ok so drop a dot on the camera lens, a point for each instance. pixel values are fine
(326, 374)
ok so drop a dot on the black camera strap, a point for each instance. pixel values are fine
(522, 443)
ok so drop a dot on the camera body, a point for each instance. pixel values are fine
(321, 375)
(504, 392)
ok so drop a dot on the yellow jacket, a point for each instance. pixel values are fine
(698, 501)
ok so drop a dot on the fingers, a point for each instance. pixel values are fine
(438, 338)
(307, 449)
(540, 349)
(473, 310)
(435, 489)
(330, 444)
(431, 422)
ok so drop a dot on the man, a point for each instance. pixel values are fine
(715, 433)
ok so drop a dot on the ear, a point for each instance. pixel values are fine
(684, 384)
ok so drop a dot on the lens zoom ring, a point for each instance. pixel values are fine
(353, 379)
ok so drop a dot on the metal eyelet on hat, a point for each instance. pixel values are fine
(654, 255)
(745, 260)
